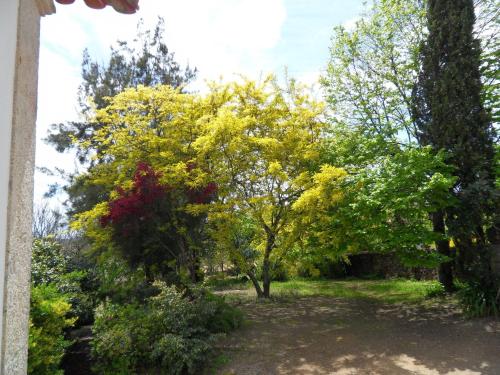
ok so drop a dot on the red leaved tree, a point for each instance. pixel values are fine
(151, 227)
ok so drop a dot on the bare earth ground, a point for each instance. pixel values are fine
(322, 335)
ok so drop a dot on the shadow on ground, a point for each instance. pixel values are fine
(320, 335)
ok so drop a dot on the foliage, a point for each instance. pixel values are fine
(51, 266)
(138, 218)
(234, 242)
(393, 183)
(120, 284)
(386, 208)
(479, 300)
(374, 66)
(450, 116)
(146, 221)
(48, 264)
(57, 303)
(169, 334)
(48, 319)
(168, 169)
(262, 148)
(170, 232)
(143, 61)
(256, 142)
(372, 70)
(220, 281)
(487, 29)
(370, 84)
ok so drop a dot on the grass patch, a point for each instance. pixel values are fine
(226, 282)
(389, 291)
(217, 363)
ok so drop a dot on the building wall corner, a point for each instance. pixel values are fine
(19, 196)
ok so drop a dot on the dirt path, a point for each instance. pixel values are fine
(319, 335)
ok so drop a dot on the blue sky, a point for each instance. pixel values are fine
(222, 38)
(306, 33)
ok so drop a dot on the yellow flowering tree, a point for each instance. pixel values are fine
(262, 146)
(145, 164)
(257, 145)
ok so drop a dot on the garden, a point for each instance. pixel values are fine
(261, 227)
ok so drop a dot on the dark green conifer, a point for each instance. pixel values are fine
(450, 116)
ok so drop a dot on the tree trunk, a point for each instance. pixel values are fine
(266, 266)
(148, 275)
(445, 271)
(189, 256)
(266, 278)
(194, 269)
(255, 282)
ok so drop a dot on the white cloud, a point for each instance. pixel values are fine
(350, 24)
(219, 37)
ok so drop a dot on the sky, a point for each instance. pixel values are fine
(221, 38)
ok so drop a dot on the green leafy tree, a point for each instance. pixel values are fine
(369, 84)
(487, 30)
(450, 116)
(372, 70)
(384, 210)
(374, 66)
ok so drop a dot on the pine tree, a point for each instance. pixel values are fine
(450, 116)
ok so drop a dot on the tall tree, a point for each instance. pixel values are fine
(450, 116)
(487, 30)
(262, 147)
(144, 166)
(369, 81)
(258, 142)
(373, 69)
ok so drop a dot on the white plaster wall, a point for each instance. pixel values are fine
(8, 39)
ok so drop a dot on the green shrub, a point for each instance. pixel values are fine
(169, 334)
(278, 271)
(117, 281)
(49, 266)
(48, 319)
(480, 299)
(120, 334)
(435, 290)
